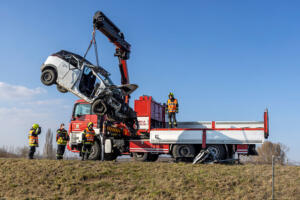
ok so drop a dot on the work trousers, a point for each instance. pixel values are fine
(172, 119)
(31, 152)
(60, 151)
(86, 151)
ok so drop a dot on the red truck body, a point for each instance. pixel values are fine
(151, 117)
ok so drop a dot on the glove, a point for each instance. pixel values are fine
(176, 111)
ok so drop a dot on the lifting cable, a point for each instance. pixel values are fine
(93, 42)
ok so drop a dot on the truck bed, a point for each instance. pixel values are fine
(216, 132)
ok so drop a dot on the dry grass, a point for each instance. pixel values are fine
(50, 179)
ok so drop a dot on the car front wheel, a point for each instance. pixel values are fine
(48, 77)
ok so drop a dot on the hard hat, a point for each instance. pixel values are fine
(35, 126)
(171, 94)
(90, 124)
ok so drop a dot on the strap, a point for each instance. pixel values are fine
(93, 42)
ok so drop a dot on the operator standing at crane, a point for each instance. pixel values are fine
(62, 138)
(33, 139)
(172, 109)
(88, 139)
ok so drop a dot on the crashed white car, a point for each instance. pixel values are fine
(72, 73)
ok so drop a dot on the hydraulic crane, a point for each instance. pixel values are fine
(113, 33)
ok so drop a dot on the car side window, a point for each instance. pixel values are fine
(87, 83)
(86, 70)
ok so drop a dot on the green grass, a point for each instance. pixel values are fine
(50, 179)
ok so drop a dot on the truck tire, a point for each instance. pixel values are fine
(110, 156)
(183, 151)
(96, 151)
(152, 157)
(140, 156)
(218, 151)
(48, 77)
(61, 89)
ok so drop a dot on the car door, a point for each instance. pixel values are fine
(70, 74)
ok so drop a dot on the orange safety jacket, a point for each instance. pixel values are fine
(88, 136)
(172, 105)
(33, 137)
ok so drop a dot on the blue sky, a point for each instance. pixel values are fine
(224, 60)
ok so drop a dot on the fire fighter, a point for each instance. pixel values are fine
(172, 109)
(33, 139)
(62, 138)
(88, 139)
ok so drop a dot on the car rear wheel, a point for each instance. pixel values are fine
(48, 77)
(99, 107)
(61, 89)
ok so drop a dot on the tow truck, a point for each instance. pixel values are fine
(189, 141)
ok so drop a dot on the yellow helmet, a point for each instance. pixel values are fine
(90, 124)
(171, 94)
(35, 126)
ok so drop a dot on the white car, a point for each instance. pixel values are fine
(72, 73)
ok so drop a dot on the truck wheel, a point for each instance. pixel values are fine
(96, 151)
(110, 156)
(218, 151)
(61, 89)
(152, 157)
(183, 151)
(48, 77)
(140, 156)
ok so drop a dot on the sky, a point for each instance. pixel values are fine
(223, 60)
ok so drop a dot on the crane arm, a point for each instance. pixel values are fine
(113, 33)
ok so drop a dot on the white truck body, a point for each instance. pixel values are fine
(216, 133)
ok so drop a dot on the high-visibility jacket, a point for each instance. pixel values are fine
(33, 137)
(62, 136)
(88, 136)
(172, 105)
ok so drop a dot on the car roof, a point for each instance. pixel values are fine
(64, 53)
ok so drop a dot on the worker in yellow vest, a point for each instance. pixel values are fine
(33, 139)
(172, 109)
(62, 138)
(88, 139)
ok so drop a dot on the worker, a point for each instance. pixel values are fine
(88, 139)
(172, 109)
(33, 139)
(62, 138)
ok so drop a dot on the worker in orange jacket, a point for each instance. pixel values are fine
(88, 140)
(33, 139)
(172, 109)
(62, 138)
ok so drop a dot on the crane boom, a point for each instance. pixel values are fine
(113, 33)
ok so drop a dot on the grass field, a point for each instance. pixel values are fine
(51, 179)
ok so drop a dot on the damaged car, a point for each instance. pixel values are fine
(73, 73)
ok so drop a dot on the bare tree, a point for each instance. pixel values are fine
(268, 149)
(23, 151)
(49, 151)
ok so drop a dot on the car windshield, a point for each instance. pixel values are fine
(82, 109)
